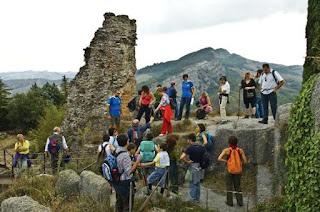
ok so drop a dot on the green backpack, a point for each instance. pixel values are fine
(147, 151)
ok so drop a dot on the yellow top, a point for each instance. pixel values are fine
(23, 148)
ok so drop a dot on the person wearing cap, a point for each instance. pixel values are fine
(172, 93)
(188, 92)
(259, 108)
(21, 157)
(136, 131)
(56, 145)
(224, 91)
(113, 106)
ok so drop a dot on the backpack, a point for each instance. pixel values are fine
(201, 114)
(110, 169)
(147, 150)
(234, 162)
(54, 145)
(102, 154)
(210, 138)
(205, 160)
(132, 104)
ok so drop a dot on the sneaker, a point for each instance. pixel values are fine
(263, 122)
(246, 117)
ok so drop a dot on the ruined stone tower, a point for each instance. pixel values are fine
(109, 65)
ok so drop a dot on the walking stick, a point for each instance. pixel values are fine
(130, 197)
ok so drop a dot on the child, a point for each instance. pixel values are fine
(161, 162)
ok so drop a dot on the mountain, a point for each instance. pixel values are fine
(206, 66)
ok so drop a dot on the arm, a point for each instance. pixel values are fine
(222, 155)
(152, 99)
(243, 156)
(138, 151)
(184, 158)
(47, 144)
(280, 84)
(64, 143)
(209, 101)
(193, 91)
(204, 138)
(148, 164)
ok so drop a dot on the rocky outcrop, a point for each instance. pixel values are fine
(315, 104)
(109, 66)
(68, 183)
(94, 186)
(22, 204)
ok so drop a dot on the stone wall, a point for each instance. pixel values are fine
(109, 65)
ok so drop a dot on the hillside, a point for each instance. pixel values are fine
(207, 65)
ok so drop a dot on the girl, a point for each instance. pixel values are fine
(249, 95)
(146, 101)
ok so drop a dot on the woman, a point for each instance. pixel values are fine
(146, 101)
(249, 95)
(224, 91)
(167, 112)
(204, 137)
(21, 158)
(205, 102)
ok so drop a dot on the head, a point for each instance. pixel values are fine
(113, 131)
(162, 147)
(105, 137)
(164, 90)
(247, 76)
(139, 92)
(171, 142)
(149, 136)
(223, 80)
(117, 93)
(233, 141)
(204, 94)
(20, 137)
(57, 130)
(192, 138)
(259, 73)
(266, 68)
(159, 86)
(135, 123)
(123, 140)
(201, 128)
(185, 77)
(173, 83)
(145, 89)
(132, 148)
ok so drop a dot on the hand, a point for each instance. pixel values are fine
(275, 90)
(46, 153)
(246, 88)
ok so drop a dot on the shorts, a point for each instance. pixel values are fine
(250, 101)
(115, 120)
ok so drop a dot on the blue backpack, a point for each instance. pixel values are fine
(110, 169)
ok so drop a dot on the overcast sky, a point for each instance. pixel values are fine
(51, 34)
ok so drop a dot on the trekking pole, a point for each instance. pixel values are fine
(130, 197)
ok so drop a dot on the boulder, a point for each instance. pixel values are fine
(94, 186)
(68, 183)
(315, 104)
(283, 114)
(22, 204)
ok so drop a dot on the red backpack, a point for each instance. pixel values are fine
(234, 162)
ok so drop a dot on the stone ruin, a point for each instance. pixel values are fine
(110, 65)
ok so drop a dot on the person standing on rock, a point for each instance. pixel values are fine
(113, 105)
(270, 82)
(235, 160)
(167, 114)
(188, 92)
(259, 108)
(193, 156)
(172, 93)
(224, 91)
(146, 101)
(55, 146)
(249, 95)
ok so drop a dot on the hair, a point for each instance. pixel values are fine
(173, 83)
(145, 89)
(122, 140)
(163, 146)
(56, 129)
(159, 86)
(259, 71)
(192, 137)
(265, 65)
(164, 89)
(131, 146)
(105, 137)
(139, 92)
(185, 76)
(204, 94)
(20, 136)
(247, 74)
(171, 142)
(111, 131)
(202, 127)
(223, 78)
(233, 140)
(149, 136)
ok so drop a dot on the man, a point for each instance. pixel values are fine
(113, 105)
(172, 93)
(56, 145)
(135, 133)
(235, 160)
(224, 91)
(259, 108)
(193, 156)
(125, 167)
(270, 82)
(188, 92)
(21, 157)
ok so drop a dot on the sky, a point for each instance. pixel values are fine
(51, 34)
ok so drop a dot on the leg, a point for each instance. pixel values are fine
(140, 113)
(273, 103)
(192, 191)
(229, 186)
(265, 105)
(188, 104)
(118, 122)
(170, 128)
(176, 110)
(164, 129)
(182, 103)
(119, 204)
(237, 187)
(198, 191)
(147, 114)
(223, 104)
(54, 163)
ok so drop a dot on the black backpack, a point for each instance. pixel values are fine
(201, 114)
(132, 104)
(205, 161)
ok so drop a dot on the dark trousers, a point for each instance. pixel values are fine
(185, 101)
(176, 109)
(173, 176)
(56, 159)
(272, 98)
(233, 184)
(123, 195)
(144, 109)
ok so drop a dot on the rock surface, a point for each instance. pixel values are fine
(22, 204)
(94, 186)
(68, 183)
(109, 66)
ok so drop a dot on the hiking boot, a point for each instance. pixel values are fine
(263, 122)
(246, 117)
(253, 116)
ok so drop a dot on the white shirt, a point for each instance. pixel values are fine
(164, 159)
(107, 148)
(64, 143)
(226, 88)
(268, 83)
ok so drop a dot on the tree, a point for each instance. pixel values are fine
(52, 94)
(4, 100)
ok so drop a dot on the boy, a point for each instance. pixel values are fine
(161, 162)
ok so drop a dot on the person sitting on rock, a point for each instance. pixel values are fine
(249, 95)
(145, 103)
(167, 113)
(113, 106)
(56, 145)
(205, 106)
(21, 158)
(235, 160)
(136, 132)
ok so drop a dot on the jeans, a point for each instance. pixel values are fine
(194, 186)
(185, 101)
(176, 109)
(259, 108)
(144, 109)
(272, 98)
(233, 184)
(158, 175)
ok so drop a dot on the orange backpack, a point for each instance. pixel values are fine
(234, 162)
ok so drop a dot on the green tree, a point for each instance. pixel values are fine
(4, 100)
(52, 94)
